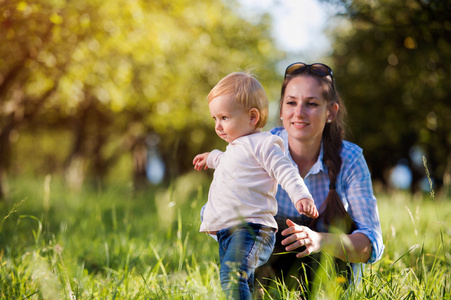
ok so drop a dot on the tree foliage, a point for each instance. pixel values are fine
(109, 73)
(392, 63)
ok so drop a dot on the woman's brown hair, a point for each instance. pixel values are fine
(332, 211)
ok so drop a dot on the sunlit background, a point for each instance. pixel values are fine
(298, 26)
(103, 107)
(103, 92)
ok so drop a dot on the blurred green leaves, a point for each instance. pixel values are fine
(83, 83)
(94, 69)
(391, 61)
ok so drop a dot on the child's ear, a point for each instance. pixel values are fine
(254, 116)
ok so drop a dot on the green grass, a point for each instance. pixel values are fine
(59, 244)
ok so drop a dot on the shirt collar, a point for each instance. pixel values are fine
(319, 166)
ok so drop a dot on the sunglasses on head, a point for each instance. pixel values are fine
(317, 69)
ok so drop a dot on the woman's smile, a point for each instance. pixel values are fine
(299, 125)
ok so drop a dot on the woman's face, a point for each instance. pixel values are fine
(304, 112)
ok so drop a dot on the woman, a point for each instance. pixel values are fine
(337, 176)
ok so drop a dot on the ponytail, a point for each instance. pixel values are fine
(332, 212)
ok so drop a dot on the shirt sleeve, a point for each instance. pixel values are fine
(280, 168)
(363, 205)
(214, 158)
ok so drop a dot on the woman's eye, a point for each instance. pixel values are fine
(291, 103)
(312, 104)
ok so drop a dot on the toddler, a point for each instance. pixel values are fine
(241, 201)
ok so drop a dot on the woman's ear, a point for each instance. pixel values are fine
(332, 111)
(254, 116)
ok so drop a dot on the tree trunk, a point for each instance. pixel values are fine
(75, 165)
(139, 153)
(5, 155)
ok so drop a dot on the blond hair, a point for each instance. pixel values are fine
(246, 91)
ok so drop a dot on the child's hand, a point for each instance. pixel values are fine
(200, 161)
(307, 207)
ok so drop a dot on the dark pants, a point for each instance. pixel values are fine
(295, 273)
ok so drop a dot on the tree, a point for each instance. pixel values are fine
(391, 61)
(110, 73)
(30, 68)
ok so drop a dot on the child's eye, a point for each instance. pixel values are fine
(225, 118)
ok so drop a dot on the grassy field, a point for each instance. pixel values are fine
(58, 244)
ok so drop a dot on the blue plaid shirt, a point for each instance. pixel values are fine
(353, 185)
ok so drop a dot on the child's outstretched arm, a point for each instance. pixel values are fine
(200, 161)
(307, 207)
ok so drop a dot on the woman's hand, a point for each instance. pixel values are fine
(301, 236)
(200, 161)
(355, 247)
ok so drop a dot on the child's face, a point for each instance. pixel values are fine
(231, 121)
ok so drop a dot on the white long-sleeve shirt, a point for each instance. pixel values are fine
(245, 182)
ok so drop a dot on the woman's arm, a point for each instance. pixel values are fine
(362, 204)
(355, 247)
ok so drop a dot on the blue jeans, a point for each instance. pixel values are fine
(242, 249)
